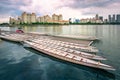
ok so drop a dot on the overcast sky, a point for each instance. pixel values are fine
(68, 8)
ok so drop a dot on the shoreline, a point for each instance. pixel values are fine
(12, 25)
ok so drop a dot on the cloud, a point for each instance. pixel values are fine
(69, 8)
(44, 6)
(11, 7)
(92, 3)
(89, 8)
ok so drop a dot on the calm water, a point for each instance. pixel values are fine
(18, 63)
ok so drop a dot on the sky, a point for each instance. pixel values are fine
(68, 8)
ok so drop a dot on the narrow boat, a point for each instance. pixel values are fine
(90, 38)
(73, 51)
(80, 47)
(15, 37)
(82, 54)
(68, 56)
(10, 38)
(68, 45)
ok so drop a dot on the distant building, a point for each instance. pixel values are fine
(74, 20)
(47, 18)
(96, 17)
(24, 17)
(57, 17)
(105, 20)
(84, 20)
(54, 17)
(33, 18)
(15, 21)
(29, 18)
(60, 17)
(101, 18)
(11, 20)
(109, 18)
(77, 21)
(40, 19)
(70, 20)
(44, 19)
(113, 19)
(91, 20)
(118, 18)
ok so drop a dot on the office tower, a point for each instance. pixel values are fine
(113, 19)
(118, 18)
(109, 18)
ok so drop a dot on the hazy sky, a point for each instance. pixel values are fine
(68, 8)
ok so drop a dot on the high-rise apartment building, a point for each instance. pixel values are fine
(55, 17)
(60, 18)
(33, 17)
(24, 17)
(41, 19)
(47, 18)
(29, 18)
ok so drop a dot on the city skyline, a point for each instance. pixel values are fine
(32, 18)
(71, 8)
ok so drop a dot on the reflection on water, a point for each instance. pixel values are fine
(5, 28)
(17, 63)
(14, 53)
(53, 29)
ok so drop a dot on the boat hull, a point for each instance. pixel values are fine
(70, 60)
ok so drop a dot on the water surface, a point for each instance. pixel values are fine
(18, 63)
